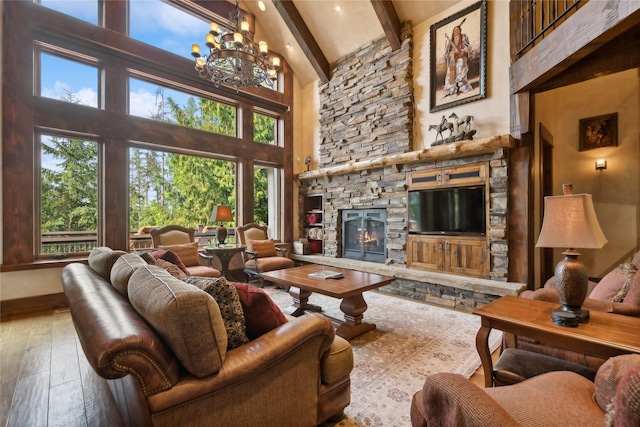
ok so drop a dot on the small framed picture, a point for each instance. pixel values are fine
(598, 132)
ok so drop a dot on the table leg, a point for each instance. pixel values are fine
(353, 308)
(300, 302)
(482, 345)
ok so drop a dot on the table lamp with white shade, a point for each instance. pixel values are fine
(570, 222)
(221, 214)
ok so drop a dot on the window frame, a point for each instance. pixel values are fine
(118, 55)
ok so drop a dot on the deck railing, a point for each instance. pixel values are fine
(70, 242)
(532, 20)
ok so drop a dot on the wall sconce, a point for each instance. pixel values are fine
(601, 164)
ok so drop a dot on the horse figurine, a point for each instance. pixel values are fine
(464, 120)
(444, 125)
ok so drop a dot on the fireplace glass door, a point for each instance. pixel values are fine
(363, 234)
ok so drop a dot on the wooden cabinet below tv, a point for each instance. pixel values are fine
(461, 255)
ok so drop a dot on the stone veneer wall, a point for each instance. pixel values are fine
(366, 113)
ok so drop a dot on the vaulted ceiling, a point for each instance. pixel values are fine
(313, 34)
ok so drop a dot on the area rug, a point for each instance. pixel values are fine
(412, 340)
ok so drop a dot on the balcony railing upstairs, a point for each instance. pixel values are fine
(532, 20)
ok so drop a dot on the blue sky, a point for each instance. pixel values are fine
(152, 21)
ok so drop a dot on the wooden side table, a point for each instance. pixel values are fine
(604, 334)
(224, 254)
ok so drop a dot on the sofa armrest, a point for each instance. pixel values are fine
(450, 399)
(542, 294)
(302, 341)
(611, 307)
(115, 339)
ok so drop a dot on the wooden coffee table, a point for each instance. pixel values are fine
(349, 289)
(604, 334)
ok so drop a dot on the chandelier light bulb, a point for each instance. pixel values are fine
(211, 40)
(214, 28)
(200, 63)
(275, 61)
(244, 26)
(263, 47)
(195, 50)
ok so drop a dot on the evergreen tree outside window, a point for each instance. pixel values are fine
(68, 195)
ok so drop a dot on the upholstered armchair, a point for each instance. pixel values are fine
(181, 241)
(262, 254)
(560, 398)
(618, 292)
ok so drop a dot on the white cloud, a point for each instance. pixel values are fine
(142, 103)
(154, 15)
(61, 90)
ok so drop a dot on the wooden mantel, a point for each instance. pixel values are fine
(439, 152)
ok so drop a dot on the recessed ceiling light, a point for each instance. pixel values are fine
(262, 6)
(338, 8)
(288, 46)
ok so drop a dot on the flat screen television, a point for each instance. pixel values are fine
(453, 211)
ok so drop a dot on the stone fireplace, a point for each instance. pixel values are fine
(366, 156)
(364, 234)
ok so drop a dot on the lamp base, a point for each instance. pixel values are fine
(581, 314)
(221, 234)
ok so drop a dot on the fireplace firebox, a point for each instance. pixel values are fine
(363, 234)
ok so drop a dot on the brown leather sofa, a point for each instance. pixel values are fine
(553, 399)
(297, 373)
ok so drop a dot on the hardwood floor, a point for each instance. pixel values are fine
(45, 379)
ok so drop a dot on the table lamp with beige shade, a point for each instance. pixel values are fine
(221, 214)
(570, 222)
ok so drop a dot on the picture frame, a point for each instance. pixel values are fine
(599, 131)
(459, 69)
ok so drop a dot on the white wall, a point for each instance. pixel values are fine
(616, 190)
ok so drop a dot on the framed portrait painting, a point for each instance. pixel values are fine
(598, 132)
(459, 58)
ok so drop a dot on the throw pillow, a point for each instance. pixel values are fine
(101, 260)
(171, 268)
(186, 318)
(261, 314)
(149, 259)
(122, 270)
(633, 296)
(609, 375)
(187, 252)
(263, 248)
(613, 282)
(227, 298)
(170, 256)
(627, 399)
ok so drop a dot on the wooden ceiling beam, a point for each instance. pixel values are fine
(389, 20)
(305, 39)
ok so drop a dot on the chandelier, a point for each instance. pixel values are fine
(234, 58)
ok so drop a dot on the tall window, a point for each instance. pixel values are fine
(169, 188)
(87, 10)
(266, 194)
(264, 129)
(68, 80)
(169, 105)
(68, 195)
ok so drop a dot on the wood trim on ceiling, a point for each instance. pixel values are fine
(389, 20)
(305, 39)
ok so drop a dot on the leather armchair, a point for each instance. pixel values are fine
(558, 398)
(173, 234)
(261, 255)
